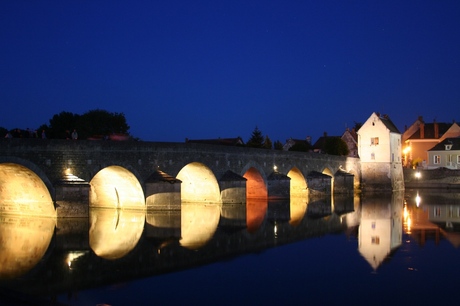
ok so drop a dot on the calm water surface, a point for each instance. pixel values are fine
(386, 250)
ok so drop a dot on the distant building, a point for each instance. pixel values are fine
(219, 141)
(351, 139)
(320, 144)
(445, 154)
(421, 137)
(291, 142)
(379, 148)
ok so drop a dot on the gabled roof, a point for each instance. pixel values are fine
(160, 176)
(389, 124)
(219, 141)
(232, 176)
(429, 130)
(455, 142)
(351, 133)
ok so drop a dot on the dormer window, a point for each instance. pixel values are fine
(448, 147)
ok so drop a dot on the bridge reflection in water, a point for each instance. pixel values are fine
(48, 257)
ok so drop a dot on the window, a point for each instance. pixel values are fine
(373, 156)
(437, 211)
(375, 240)
(458, 159)
(436, 159)
(374, 141)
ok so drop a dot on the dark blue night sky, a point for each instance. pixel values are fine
(208, 69)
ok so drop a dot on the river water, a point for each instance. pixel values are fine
(400, 248)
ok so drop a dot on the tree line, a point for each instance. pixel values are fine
(94, 124)
(332, 145)
(101, 124)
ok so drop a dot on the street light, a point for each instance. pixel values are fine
(406, 151)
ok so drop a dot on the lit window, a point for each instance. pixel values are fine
(374, 141)
(458, 159)
(376, 240)
(436, 159)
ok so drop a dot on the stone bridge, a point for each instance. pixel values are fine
(54, 177)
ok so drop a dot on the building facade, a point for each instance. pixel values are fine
(421, 137)
(379, 148)
(445, 154)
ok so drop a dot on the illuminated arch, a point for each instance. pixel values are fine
(298, 183)
(198, 184)
(255, 184)
(116, 187)
(22, 192)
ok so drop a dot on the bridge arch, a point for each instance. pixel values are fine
(116, 187)
(298, 183)
(199, 184)
(256, 184)
(23, 192)
(33, 167)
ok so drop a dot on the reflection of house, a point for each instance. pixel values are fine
(421, 136)
(379, 148)
(445, 216)
(219, 141)
(445, 154)
(380, 231)
(351, 139)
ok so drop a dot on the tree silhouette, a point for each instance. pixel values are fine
(278, 145)
(267, 143)
(256, 140)
(62, 124)
(301, 146)
(336, 146)
(94, 123)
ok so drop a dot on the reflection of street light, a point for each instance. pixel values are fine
(418, 200)
(418, 175)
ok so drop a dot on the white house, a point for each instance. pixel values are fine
(379, 148)
(445, 154)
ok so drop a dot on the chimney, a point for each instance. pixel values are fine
(422, 130)
(436, 129)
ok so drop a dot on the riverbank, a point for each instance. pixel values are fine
(441, 178)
